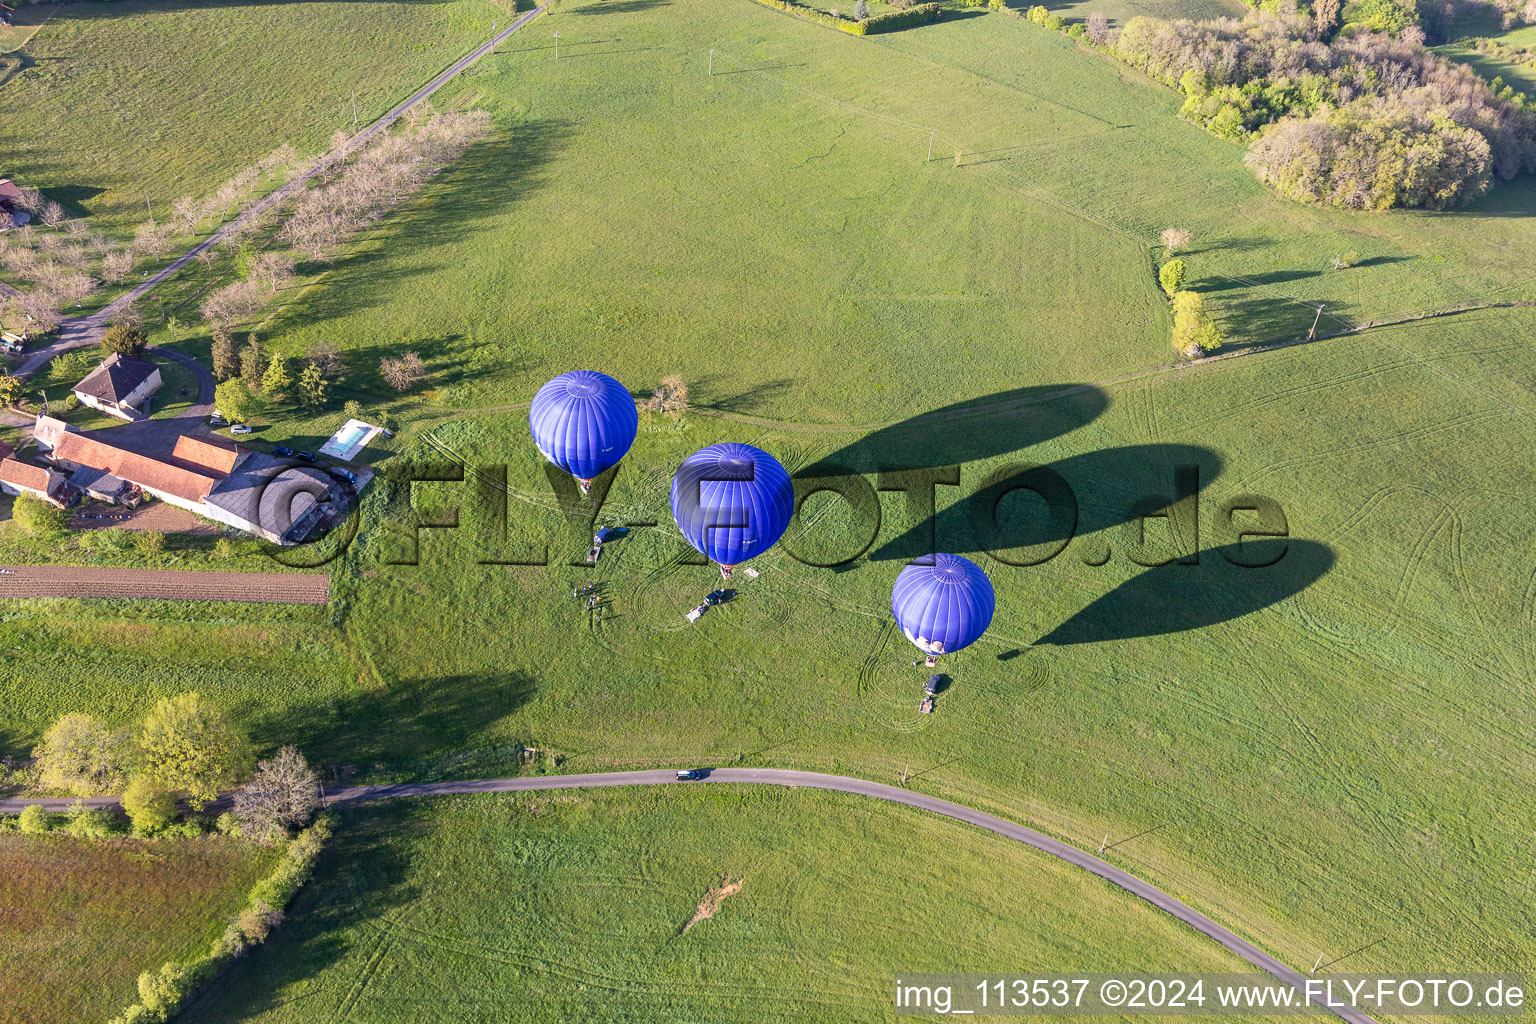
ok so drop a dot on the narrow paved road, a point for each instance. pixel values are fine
(87, 330)
(840, 784)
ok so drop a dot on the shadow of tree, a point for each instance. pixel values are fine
(397, 724)
(359, 883)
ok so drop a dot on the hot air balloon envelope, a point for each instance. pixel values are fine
(942, 602)
(583, 422)
(732, 501)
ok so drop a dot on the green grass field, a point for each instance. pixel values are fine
(593, 892)
(119, 102)
(1332, 751)
(81, 920)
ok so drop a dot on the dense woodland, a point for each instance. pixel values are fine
(1363, 120)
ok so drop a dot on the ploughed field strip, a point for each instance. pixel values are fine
(162, 584)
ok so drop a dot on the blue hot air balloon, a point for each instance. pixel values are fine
(583, 422)
(732, 502)
(942, 603)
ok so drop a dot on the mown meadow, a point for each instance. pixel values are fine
(833, 899)
(81, 920)
(1325, 754)
(108, 105)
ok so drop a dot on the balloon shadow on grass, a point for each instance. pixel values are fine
(1178, 598)
(1026, 513)
(978, 428)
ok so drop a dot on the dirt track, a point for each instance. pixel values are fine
(163, 584)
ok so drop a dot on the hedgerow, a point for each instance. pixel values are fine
(919, 14)
(164, 991)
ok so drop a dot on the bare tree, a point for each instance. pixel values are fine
(401, 374)
(77, 228)
(188, 211)
(1098, 28)
(115, 266)
(282, 794)
(325, 357)
(130, 316)
(52, 214)
(234, 302)
(151, 239)
(30, 200)
(671, 395)
(1174, 239)
(37, 309)
(274, 269)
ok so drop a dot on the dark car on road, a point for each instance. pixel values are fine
(284, 451)
(306, 456)
(689, 774)
(932, 686)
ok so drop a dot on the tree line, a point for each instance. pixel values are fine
(1362, 121)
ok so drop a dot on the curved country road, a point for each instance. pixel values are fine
(840, 784)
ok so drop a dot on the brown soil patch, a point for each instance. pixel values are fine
(164, 584)
(713, 898)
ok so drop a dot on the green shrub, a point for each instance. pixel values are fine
(149, 807)
(224, 548)
(113, 538)
(34, 821)
(920, 14)
(1193, 331)
(38, 517)
(1038, 15)
(124, 339)
(228, 825)
(161, 992)
(1053, 22)
(88, 823)
(1077, 31)
(1171, 276)
(148, 542)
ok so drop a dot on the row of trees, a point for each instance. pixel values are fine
(379, 177)
(184, 748)
(1194, 332)
(1365, 121)
(55, 269)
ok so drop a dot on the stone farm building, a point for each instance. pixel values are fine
(17, 477)
(214, 478)
(119, 386)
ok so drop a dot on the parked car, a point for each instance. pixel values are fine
(284, 451)
(689, 775)
(344, 474)
(216, 421)
(306, 456)
(932, 686)
(239, 428)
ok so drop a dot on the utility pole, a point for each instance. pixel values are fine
(151, 210)
(1103, 844)
(557, 46)
(931, 134)
(1313, 332)
(354, 109)
(711, 63)
(1315, 966)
